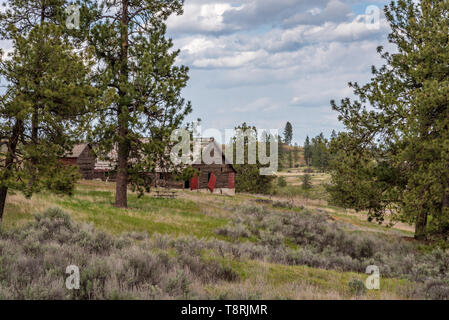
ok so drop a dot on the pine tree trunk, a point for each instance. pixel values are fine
(3, 193)
(121, 185)
(12, 147)
(445, 205)
(421, 226)
(34, 139)
(121, 196)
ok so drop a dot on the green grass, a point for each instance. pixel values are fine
(317, 192)
(153, 215)
(269, 281)
(148, 214)
(199, 216)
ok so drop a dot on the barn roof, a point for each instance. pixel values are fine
(77, 150)
(109, 162)
(210, 144)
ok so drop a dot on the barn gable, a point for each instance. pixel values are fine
(221, 174)
(83, 156)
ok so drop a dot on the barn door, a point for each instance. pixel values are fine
(231, 180)
(194, 183)
(212, 182)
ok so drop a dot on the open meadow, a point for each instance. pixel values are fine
(202, 246)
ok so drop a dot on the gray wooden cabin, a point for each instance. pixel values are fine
(84, 158)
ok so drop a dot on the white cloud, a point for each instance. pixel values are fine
(202, 17)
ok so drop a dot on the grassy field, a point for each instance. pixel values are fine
(313, 253)
(201, 216)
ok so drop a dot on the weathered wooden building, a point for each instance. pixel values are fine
(84, 157)
(217, 178)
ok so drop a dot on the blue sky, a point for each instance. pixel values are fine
(266, 62)
(271, 61)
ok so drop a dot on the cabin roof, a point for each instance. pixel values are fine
(77, 150)
(211, 143)
(110, 162)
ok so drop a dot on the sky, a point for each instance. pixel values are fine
(267, 62)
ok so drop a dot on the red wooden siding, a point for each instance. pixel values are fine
(231, 180)
(212, 182)
(194, 183)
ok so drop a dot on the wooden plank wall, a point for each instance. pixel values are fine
(221, 172)
(86, 163)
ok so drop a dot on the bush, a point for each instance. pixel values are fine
(437, 290)
(234, 231)
(282, 182)
(33, 261)
(315, 240)
(306, 182)
(357, 287)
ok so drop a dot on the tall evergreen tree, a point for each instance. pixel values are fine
(248, 177)
(281, 152)
(288, 133)
(296, 153)
(393, 159)
(320, 152)
(46, 100)
(143, 84)
(333, 135)
(307, 152)
(290, 158)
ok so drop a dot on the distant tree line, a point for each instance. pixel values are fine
(317, 152)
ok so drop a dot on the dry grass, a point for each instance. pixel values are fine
(200, 216)
(274, 281)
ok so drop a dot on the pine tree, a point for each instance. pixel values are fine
(248, 177)
(290, 159)
(142, 84)
(319, 152)
(307, 152)
(46, 101)
(393, 157)
(296, 153)
(288, 133)
(280, 152)
(333, 135)
(306, 182)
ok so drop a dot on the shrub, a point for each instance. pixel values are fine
(234, 231)
(324, 243)
(33, 259)
(306, 182)
(437, 290)
(282, 182)
(357, 287)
